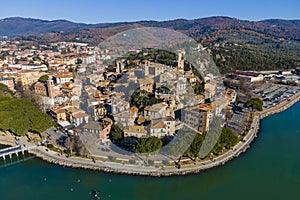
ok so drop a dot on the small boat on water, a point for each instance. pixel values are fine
(96, 194)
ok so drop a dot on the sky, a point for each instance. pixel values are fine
(99, 11)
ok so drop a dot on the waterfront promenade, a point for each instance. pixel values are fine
(138, 169)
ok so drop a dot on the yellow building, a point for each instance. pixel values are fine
(146, 84)
(135, 131)
(28, 77)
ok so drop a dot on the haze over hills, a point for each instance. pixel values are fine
(233, 43)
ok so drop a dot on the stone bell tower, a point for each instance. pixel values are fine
(50, 88)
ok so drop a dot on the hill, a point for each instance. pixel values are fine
(197, 28)
(16, 26)
(233, 43)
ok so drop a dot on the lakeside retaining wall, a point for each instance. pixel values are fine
(82, 163)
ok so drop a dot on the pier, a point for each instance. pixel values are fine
(9, 151)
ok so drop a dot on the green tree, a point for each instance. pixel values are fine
(226, 140)
(142, 98)
(159, 56)
(43, 78)
(45, 62)
(255, 103)
(147, 145)
(194, 148)
(116, 132)
(73, 69)
(198, 88)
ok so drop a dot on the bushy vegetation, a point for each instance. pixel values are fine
(147, 145)
(226, 140)
(199, 88)
(236, 51)
(142, 98)
(5, 90)
(20, 116)
(194, 148)
(255, 103)
(116, 132)
(159, 56)
(43, 79)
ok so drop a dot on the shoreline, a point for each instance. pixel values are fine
(162, 171)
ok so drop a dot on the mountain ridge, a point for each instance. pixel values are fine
(18, 26)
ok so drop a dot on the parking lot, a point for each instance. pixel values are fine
(272, 94)
(57, 137)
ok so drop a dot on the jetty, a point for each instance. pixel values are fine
(9, 151)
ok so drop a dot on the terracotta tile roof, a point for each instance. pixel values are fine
(92, 125)
(28, 71)
(140, 119)
(39, 84)
(80, 115)
(136, 129)
(133, 109)
(204, 107)
(146, 81)
(155, 124)
(156, 107)
(168, 118)
(58, 111)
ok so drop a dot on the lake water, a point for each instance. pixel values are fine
(270, 169)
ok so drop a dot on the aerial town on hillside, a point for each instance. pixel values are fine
(150, 99)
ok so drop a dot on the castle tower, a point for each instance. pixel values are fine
(50, 88)
(146, 67)
(179, 56)
(180, 62)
